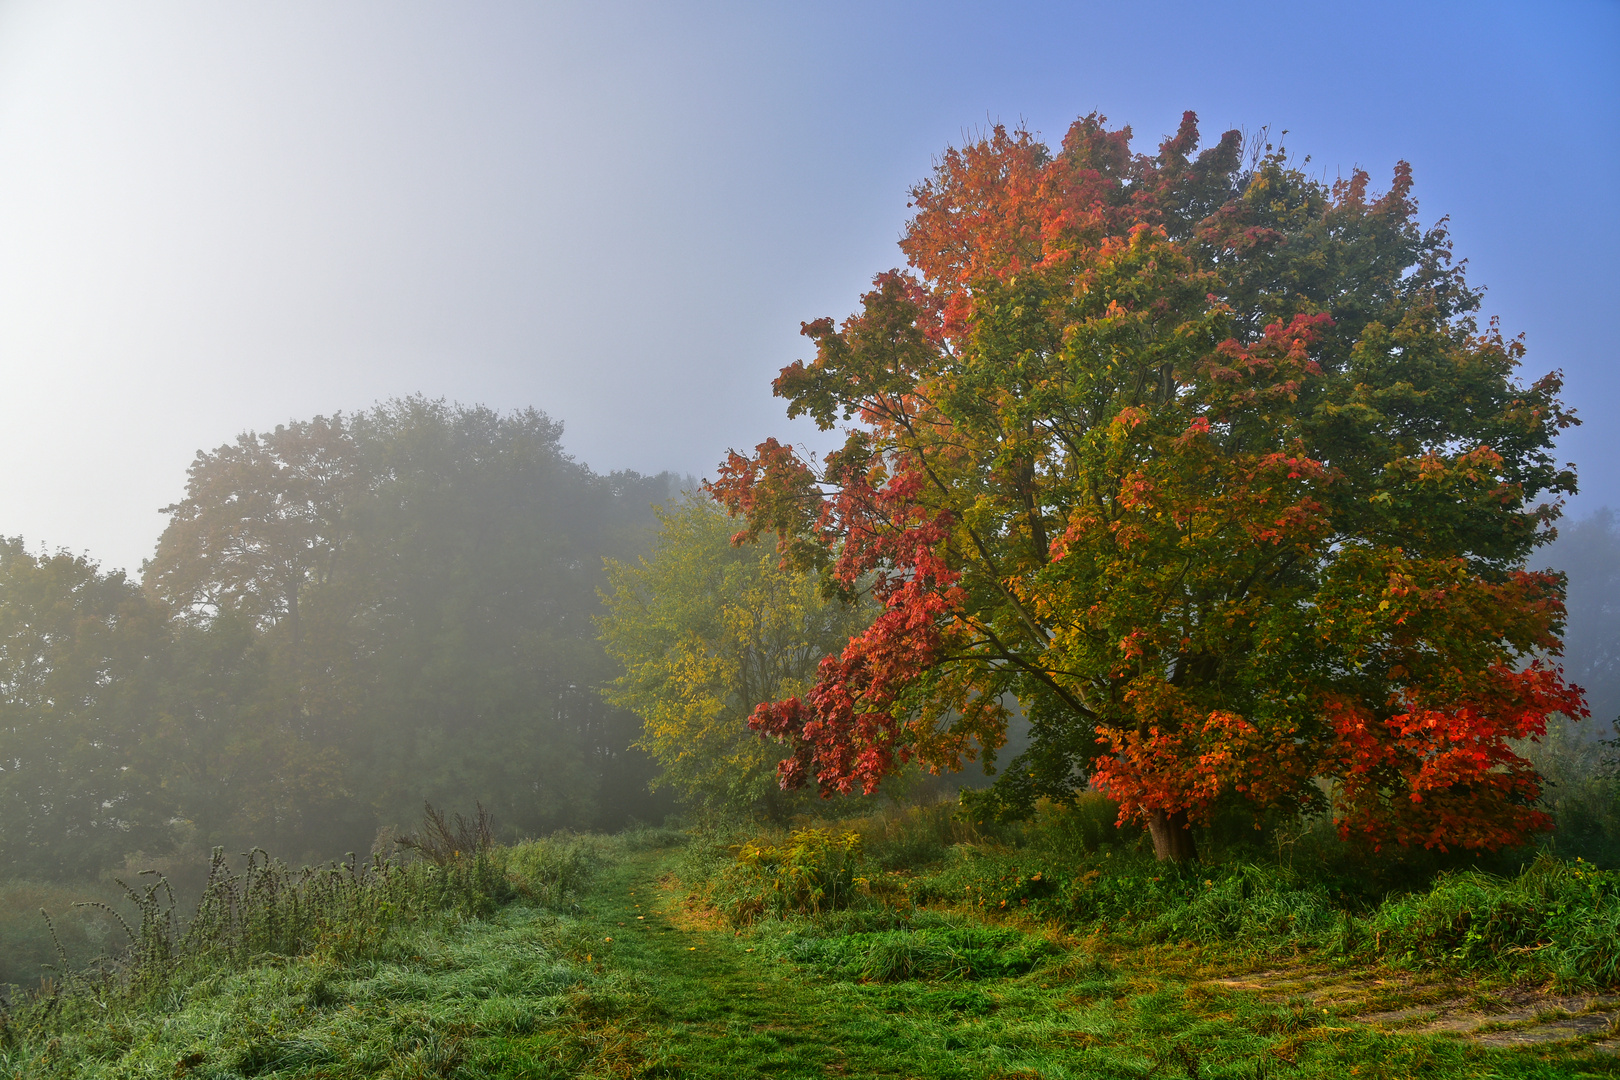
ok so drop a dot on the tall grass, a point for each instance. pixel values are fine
(334, 914)
(810, 872)
(1557, 919)
(1071, 867)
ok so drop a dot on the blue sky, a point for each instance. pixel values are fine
(219, 217)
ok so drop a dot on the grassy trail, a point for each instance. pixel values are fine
(630, 982)
(719, 1005)
(719, 1008)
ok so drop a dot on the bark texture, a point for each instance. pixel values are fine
(1172, 836)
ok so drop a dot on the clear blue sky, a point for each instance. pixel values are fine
(221, 216)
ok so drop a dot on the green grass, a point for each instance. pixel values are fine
(614, 957)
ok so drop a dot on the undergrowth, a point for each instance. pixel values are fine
(1552, 919)
(905, 943)
(268, 929)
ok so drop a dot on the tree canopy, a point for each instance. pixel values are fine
(82, 684)
(346, 616)
(1206, 462)
(705, 629)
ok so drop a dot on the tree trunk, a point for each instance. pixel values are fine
(1172, 836)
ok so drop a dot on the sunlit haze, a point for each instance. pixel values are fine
(219, 217)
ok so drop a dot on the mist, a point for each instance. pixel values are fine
(216, 219)
(419, 265)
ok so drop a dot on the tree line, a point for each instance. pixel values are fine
(1202, 470)
(344, 617)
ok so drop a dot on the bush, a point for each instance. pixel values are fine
(443, 841)
(1556, 919)
(814, 871)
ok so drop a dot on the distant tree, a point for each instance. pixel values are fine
(484, 544)
(240, 760)
(394, 606)
(706, 630)
(82, 682)
(262, 518)
(1588, 551)
(1208, 464)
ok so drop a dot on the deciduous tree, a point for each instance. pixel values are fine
(82, 686)
(706, 629)
(1205, 461)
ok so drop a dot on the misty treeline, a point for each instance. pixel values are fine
(1588, 551)
(348, 616)
(343, 618)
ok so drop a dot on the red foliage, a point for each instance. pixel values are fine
(1112, 457)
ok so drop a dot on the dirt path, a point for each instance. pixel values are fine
(1515, 1016)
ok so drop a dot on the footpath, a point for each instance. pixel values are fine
(713, 1003)
(721, 1009)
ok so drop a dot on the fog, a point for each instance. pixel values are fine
(484, 282)
(218, 218)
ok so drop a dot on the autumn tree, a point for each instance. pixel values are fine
(1206, 462)
(705, 630)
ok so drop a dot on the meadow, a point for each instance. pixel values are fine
(907, 942)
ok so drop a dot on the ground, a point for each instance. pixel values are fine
(725, 1008)
(634, 979)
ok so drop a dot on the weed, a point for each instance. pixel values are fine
(814, 871)
(444, 842)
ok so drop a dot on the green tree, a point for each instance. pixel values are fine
(394, 606)
(1588, 552)
(262, 518)
(82, 682)
(706, 630)
(1205, 461)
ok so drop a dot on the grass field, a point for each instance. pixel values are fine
(612, 958)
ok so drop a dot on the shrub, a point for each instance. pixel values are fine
(1556, 919)
(814, 871)
(442, 841)
(554, 869)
